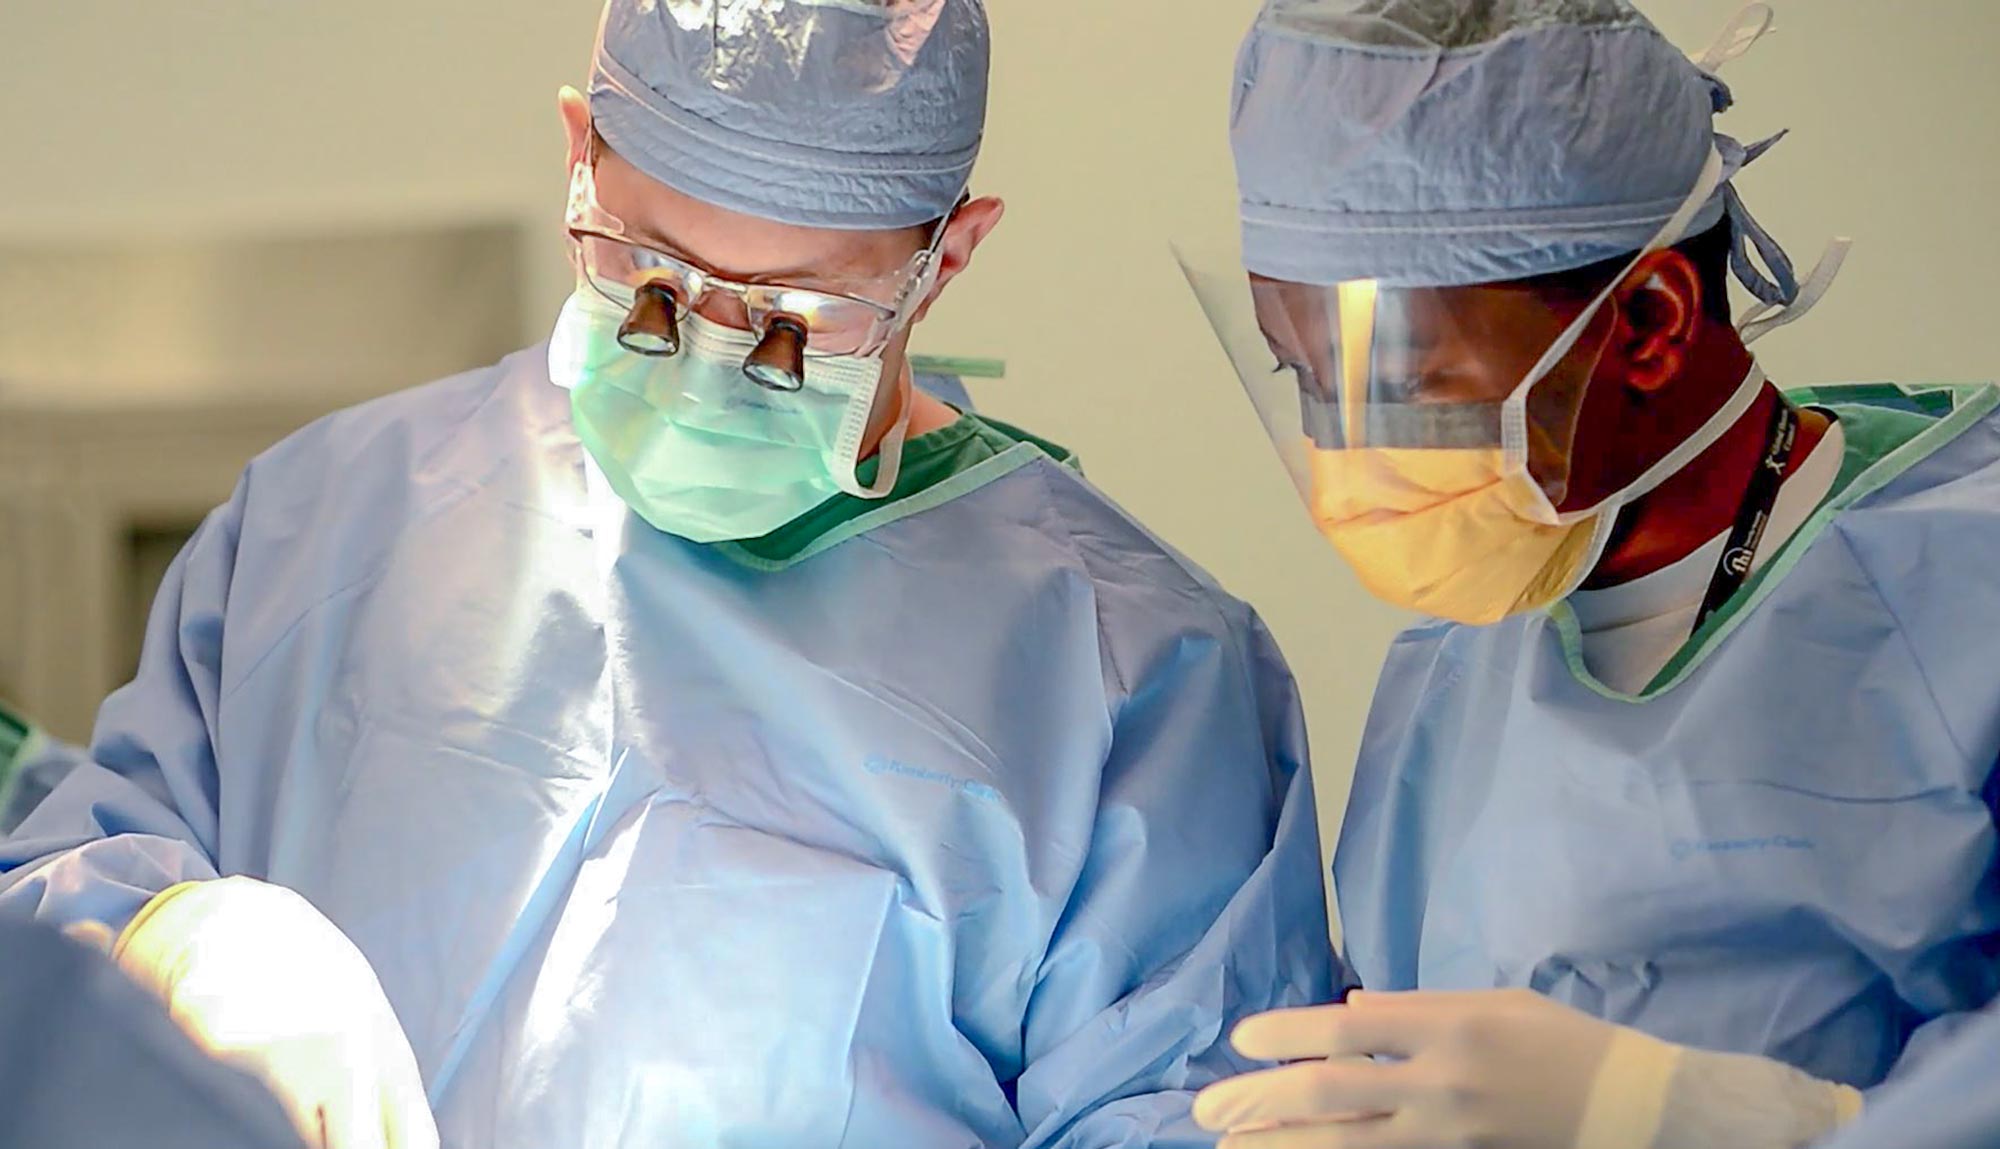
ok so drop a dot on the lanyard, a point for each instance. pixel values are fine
(1733, 569)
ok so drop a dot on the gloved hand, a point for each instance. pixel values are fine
(1501, 1069)
(261, 979)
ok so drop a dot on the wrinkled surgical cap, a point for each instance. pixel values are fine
(858, 114)
(1427, 143)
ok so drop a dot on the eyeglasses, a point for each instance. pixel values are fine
(657, 289)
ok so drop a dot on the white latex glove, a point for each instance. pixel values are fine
(1501, 1069)
(261, 979)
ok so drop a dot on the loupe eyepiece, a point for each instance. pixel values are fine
(779, 361)
(651, 327)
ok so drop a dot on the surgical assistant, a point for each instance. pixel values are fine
(31, 763)
(685, 732)
(1674, 824)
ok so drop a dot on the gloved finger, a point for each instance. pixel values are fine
(1324, 1031)
(1369, 1133)
(1340, 1090)
(1414, 1019)
(1416, 1005)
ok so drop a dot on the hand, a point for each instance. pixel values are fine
(1501, 1069)
(261, 979)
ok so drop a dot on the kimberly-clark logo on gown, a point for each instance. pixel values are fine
(1685, 848)
(979, 790)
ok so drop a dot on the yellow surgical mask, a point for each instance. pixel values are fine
(1431, 430)
(1456, 533)
(1448, 532)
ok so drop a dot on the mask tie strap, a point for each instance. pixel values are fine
(1781, 297)
(1751, 23)
(1782, 284)
(1514, 412)
(889, 454)
(1767, 317)
(846, 456)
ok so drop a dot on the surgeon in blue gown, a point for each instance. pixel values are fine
(697, 756)
(31, 762)
(17, 741)
(1674, 823)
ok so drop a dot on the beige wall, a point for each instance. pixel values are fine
(118, 117)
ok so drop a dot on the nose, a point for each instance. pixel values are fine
(722, 309)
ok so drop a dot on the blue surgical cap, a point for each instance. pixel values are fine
(853, 114)
(1429, 143)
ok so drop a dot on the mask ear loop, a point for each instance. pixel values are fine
(920, 284)
(889, 453)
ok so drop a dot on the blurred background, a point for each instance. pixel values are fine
(222, 218)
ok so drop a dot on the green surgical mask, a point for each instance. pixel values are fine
(698, 449)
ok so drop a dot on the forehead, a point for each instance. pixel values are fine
(741, 246)
(1481, 314)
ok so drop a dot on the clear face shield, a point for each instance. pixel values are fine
(1385, 400)
(1354, 374)
(1429, 431)
(791, 322)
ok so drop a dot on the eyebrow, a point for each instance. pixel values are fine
(653, 237)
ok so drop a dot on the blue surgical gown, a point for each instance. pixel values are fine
(89, 1060)
(1948, 1103)
(949, 388)
(1785, 847)
(978, 828)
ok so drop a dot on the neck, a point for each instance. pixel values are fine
(927, 414)
(1702, 500)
